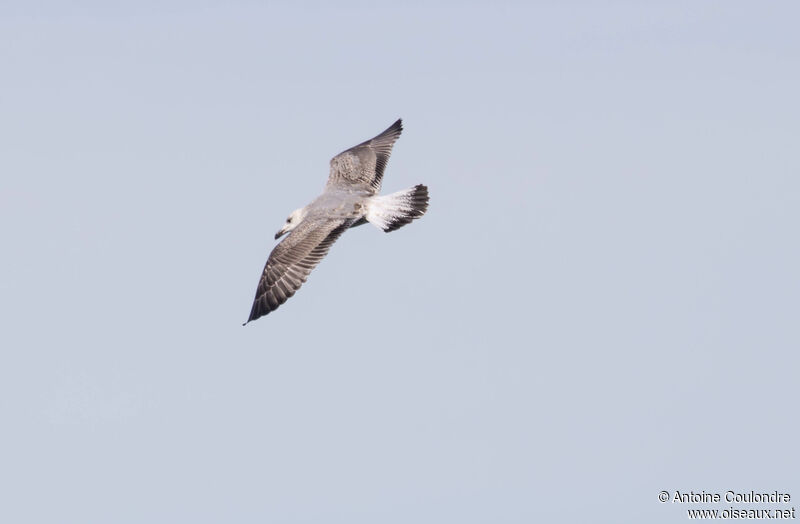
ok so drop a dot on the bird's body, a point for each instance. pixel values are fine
(350, 199)
(339, 203)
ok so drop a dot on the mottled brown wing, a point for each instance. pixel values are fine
(292, 260)
(362, 166)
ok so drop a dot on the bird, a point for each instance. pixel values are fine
(350, 198)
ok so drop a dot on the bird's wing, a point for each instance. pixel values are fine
(361, 167)
(292, 260)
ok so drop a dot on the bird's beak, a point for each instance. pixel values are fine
(280, 233)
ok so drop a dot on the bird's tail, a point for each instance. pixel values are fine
(393, 211)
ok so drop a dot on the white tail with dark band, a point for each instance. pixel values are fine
(393, 211)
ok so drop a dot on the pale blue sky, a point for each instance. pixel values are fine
(601, 303)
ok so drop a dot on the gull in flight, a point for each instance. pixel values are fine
(350, 199)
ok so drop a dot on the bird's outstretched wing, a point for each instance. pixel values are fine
(361, 167)
(292, 260)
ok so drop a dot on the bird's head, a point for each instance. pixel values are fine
(292, 222)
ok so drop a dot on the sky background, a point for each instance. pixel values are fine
(601, 303)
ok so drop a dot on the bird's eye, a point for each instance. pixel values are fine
(288, 220)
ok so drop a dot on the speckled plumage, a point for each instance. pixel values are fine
(349, 199)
